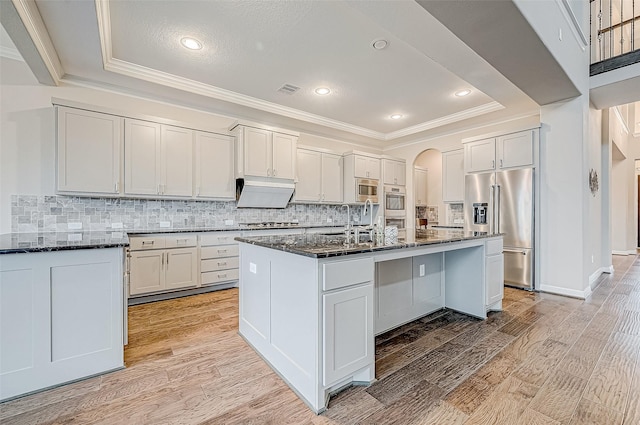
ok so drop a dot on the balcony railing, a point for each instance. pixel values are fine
(615, 34)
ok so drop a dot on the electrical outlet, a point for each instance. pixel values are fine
(422, 270)
(593, 260)
(117, 226)
(74, 237)
(329, 220)
(74, 226)
(165, 224)
(228, 222)
(560, 34)
(253, 268)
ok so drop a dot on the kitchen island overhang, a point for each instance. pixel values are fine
(311, 306)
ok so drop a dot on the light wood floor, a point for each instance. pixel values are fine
(543, 360)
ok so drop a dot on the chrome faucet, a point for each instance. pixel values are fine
(348, 228)
(368, 201)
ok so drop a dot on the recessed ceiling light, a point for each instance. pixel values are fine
(191, 43)
(379, 44)
(396, 116)
(322, 91)
(462, 93)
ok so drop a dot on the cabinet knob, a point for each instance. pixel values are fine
(493, 163)
(268, 171)
(275, 172)
(501, 163)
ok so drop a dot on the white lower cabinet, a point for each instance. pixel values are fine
(218, 258)
(61, 317)
(494, 271)
(162, 263)
(348, 332)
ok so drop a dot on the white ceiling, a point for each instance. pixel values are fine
(252, 48)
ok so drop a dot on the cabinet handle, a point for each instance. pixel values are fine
(197, 190)
(493, 163)
(222, 275)
(117, 187)
(268, 171)
(222, 251)
(224, 263)
(275, 172)
(163, 259)
(500, 163)
(158, 189)
(184, 241)
(167, 259)
(148, 242)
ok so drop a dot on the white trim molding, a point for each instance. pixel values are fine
(133, 70)
(11, 53)
(574, 293)
(628, 252)
(571, 19)
(33, 23)
(596, 275)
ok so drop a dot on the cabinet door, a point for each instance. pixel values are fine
(373, 168)
(494, 278)
(309, 184)
(146, 270)
(214, 159)
(400, 173)
(331, 178)
(347, 332)
(284, 156)
(177, 161)
(142, 175)
(360, 166)
(257, 152)
(420, 181)
(88, 152)
(453, 176)
(480, 155)
(515, 150)
(389, 171)
(181, 268)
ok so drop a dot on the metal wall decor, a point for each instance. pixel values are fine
(593, 181)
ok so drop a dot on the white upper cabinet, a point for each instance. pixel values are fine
(266, 153)
(420, 185)
(480, 155)
(366, 167)
(142, 158)
(394, 172)
(502, 152)
(453, 176)
(319, 177)
(214, 171)
(177, 161)
(89, 152)
(515, 150)
(283, 156)
(158, 159)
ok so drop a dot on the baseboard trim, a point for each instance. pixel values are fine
(628, 252)
(573, 293)
(608, 269)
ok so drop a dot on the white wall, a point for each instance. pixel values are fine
(27, 125)
(595, 259)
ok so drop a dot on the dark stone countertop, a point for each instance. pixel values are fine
(17, 243)
(324, 246)
(236, 228)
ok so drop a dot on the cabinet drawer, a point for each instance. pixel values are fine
(180, 241)
(493, 247)
(346, 273)
(219, 238)
(219, 251)
(218, 264)
(210, 278)
(146, 242)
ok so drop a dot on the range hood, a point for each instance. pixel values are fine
(254, 193)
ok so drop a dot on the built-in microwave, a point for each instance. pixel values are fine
(367, 189)
(394, 201)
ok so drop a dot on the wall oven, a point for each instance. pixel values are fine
(394, 201)
(367, 189)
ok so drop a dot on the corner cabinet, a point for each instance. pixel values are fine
(89, 152)
(158, 159)
(265, 153)
(319, 177)
(507, 151)
(453, 176)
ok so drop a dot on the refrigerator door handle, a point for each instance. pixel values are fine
(515, 251)
(497, 209)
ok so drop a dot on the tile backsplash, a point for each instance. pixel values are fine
(31, 213)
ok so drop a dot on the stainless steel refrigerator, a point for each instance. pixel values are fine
(503, 202)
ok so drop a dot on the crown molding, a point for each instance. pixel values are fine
(33, 23)
(449, 119)
(132, 70)
(10, 53)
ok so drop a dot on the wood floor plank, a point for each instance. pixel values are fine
(444, 413)
(559, 396)
(506, 404)
(353, 408)
(537, 368)
(469, 395)
(583, 356)
(531, 417)
(589, 413)
(610, 382)
(632, 411)
(601, 326)
(629, 323)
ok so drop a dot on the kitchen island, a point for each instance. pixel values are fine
(62, 306)
(311, 305)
